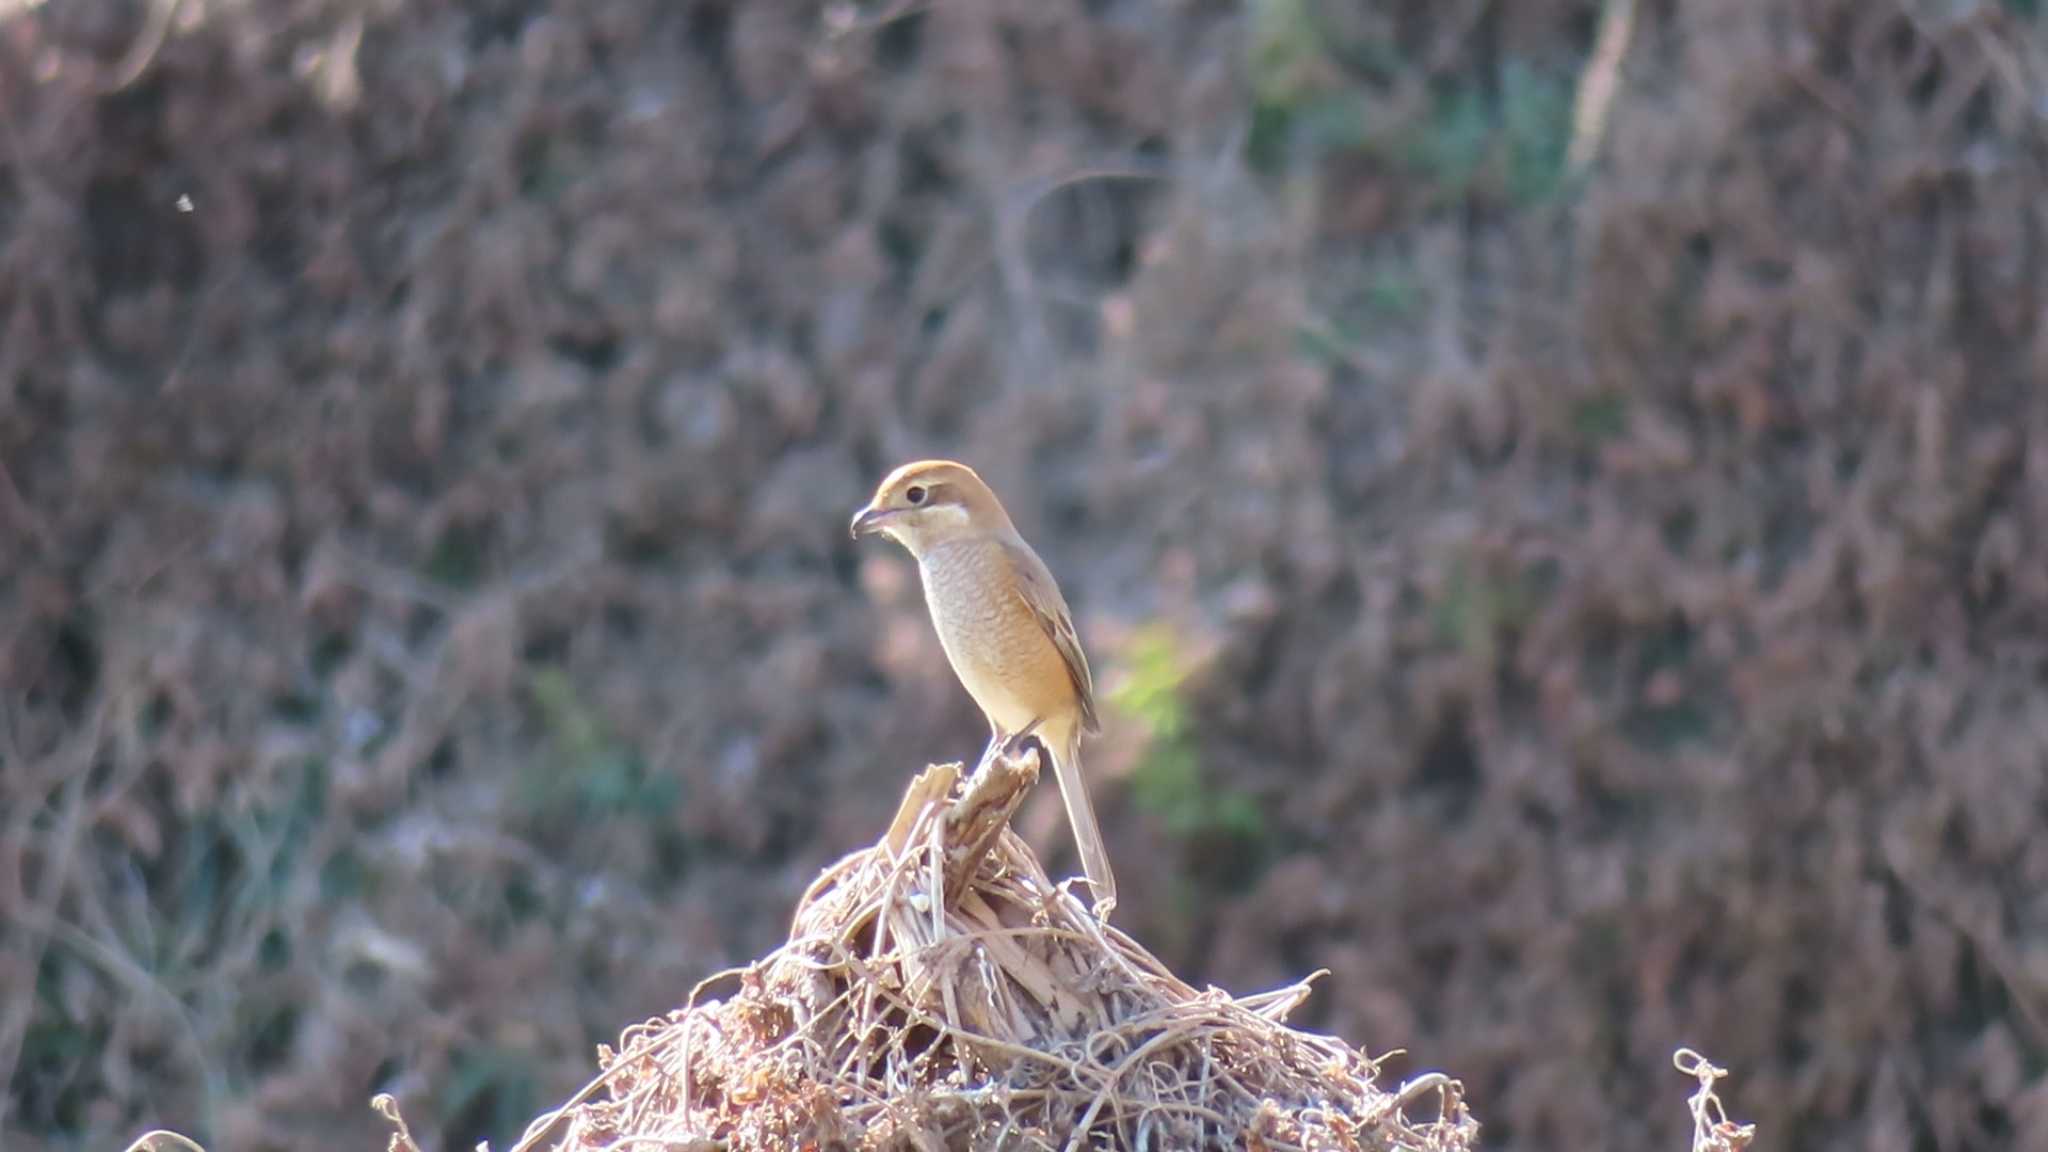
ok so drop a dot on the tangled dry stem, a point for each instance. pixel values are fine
(1712, 1130)
(940, 991)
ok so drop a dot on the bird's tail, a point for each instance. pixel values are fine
(1066, 763)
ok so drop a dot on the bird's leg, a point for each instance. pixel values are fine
(995, 743)
(1015, 743)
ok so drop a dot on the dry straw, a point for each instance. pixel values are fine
(938, 991)
(1712, 1130)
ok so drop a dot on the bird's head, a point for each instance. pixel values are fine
(929, 502)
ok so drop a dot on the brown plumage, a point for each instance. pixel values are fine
(1003, 623)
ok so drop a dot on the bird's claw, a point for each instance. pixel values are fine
(1014, 746)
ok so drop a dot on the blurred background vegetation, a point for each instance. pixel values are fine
(1552, 491)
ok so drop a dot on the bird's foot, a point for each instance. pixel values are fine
(1014, 746)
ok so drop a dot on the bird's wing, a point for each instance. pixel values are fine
(1035, 585)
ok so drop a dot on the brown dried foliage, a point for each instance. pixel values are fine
(905, 1012)
(423, 585)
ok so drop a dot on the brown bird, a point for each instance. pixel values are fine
(1004, 625)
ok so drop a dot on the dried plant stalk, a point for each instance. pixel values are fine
(940, 991)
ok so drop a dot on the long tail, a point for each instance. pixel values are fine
(1066, 764)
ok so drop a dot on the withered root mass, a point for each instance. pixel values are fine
(940, 991)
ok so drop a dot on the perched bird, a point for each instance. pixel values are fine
(1003, 623)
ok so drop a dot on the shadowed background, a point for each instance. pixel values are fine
(1589, 612)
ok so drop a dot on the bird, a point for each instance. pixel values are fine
(1005, 628)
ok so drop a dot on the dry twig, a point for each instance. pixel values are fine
(1598, 84)
(939, 990)
(1712, 1131)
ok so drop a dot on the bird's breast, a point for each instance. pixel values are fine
(996, 645)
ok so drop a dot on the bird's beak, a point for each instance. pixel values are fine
(868, 521)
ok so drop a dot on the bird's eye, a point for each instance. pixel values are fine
(914, 493)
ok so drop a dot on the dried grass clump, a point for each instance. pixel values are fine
(940, 991)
